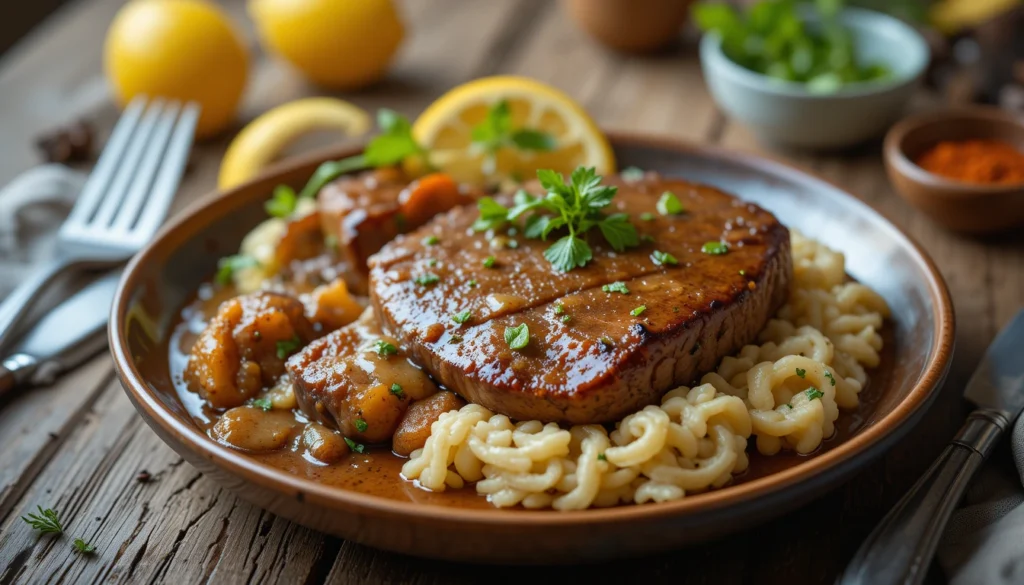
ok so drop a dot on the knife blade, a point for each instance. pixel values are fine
(71, 333)
(998, 383)
(901, 547)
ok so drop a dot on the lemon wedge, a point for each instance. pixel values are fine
(445, 128)
(263, 139)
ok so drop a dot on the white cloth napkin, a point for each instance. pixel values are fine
(32, 207)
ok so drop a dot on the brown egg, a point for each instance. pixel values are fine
(630, 25)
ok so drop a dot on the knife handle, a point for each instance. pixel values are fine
(14, 371)
(901, 547)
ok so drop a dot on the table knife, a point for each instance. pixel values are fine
(71, 333)
(901, 547)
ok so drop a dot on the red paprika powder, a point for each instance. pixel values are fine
(984, 162)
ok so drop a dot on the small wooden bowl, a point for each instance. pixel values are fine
(959, 206)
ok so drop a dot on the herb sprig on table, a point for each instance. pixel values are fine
(773, 38)
(575, 206)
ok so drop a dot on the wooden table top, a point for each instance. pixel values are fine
(78, 446)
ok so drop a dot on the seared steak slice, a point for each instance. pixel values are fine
(593, 356)
(361, 213)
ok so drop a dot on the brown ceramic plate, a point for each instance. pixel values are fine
(963, 207)
(461, 526)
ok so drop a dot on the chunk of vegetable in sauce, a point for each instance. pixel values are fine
(251, 429)
(414, 429)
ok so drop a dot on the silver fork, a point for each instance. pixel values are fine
(123, 202)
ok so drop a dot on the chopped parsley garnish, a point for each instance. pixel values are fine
(669, 204)
(229, 265)
(396, 389)
(427, 279)
(471, 283)
(607, 341)
(489, 262)
(430, 241)
(283, 203)
(663, 258)
(287, 347)
(83, 547)
(455, 338)
(813, 393)
(830, 377)
(356, 447)
(801, 372)
(566, 318)
(638, 311)
(263, 404)
(574, 206)
(714, 248)
(619, 287)
(384, 348)
(602, 457)
(517, 337)
(462, 316)
(632, 174)
(559, 308)
(431, 262)
(647, 216)
(46, 521)
(361, 425)
(495, 132)
(743, 272)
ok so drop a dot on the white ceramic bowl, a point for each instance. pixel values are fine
(786, 113)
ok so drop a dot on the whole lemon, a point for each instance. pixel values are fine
(340, 44)
(184, 49)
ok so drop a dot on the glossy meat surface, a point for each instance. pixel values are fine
(244, 347)
(604, 362)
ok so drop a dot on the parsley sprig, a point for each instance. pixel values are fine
(574, 206)
(46, 521)
(495, 132)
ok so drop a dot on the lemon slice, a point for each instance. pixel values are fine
(445, 129)
(263, 139)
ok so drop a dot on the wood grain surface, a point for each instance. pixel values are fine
(78, 446)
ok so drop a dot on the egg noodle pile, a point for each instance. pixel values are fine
(786, 392)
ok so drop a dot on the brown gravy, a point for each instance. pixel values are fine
(377, 471)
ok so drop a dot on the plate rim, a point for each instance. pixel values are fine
(241, 465)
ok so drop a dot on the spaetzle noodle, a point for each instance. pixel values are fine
(786, 392)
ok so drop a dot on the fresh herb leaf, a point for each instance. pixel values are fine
(801, 372)
(715, 248)
(455, 338)
(471, 283)
(743, 272)
(663, 258)
(46, 521)
(619, 287)
(559, 308)
(632, 174)
(395, 143)
(330, 170)
(606, 341)
(427, 279)
(263, 404)
(361, 425)
(384, 348)
(602, 457)
(813, 393)
(287, 347)
(647, 216)
(431, 262)
(229, 265)
(430, 240)
(575, 205)
(495, 132)
(569, 252)
(830, 377)
(489, 262)
(355, 447)
(462, 316)
(517, 337)
(669, 204)
(283, 203)
(566, 318)
(83, 547)
(638, 311)
(396, 389)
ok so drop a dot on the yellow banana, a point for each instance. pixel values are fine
(264, 138)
